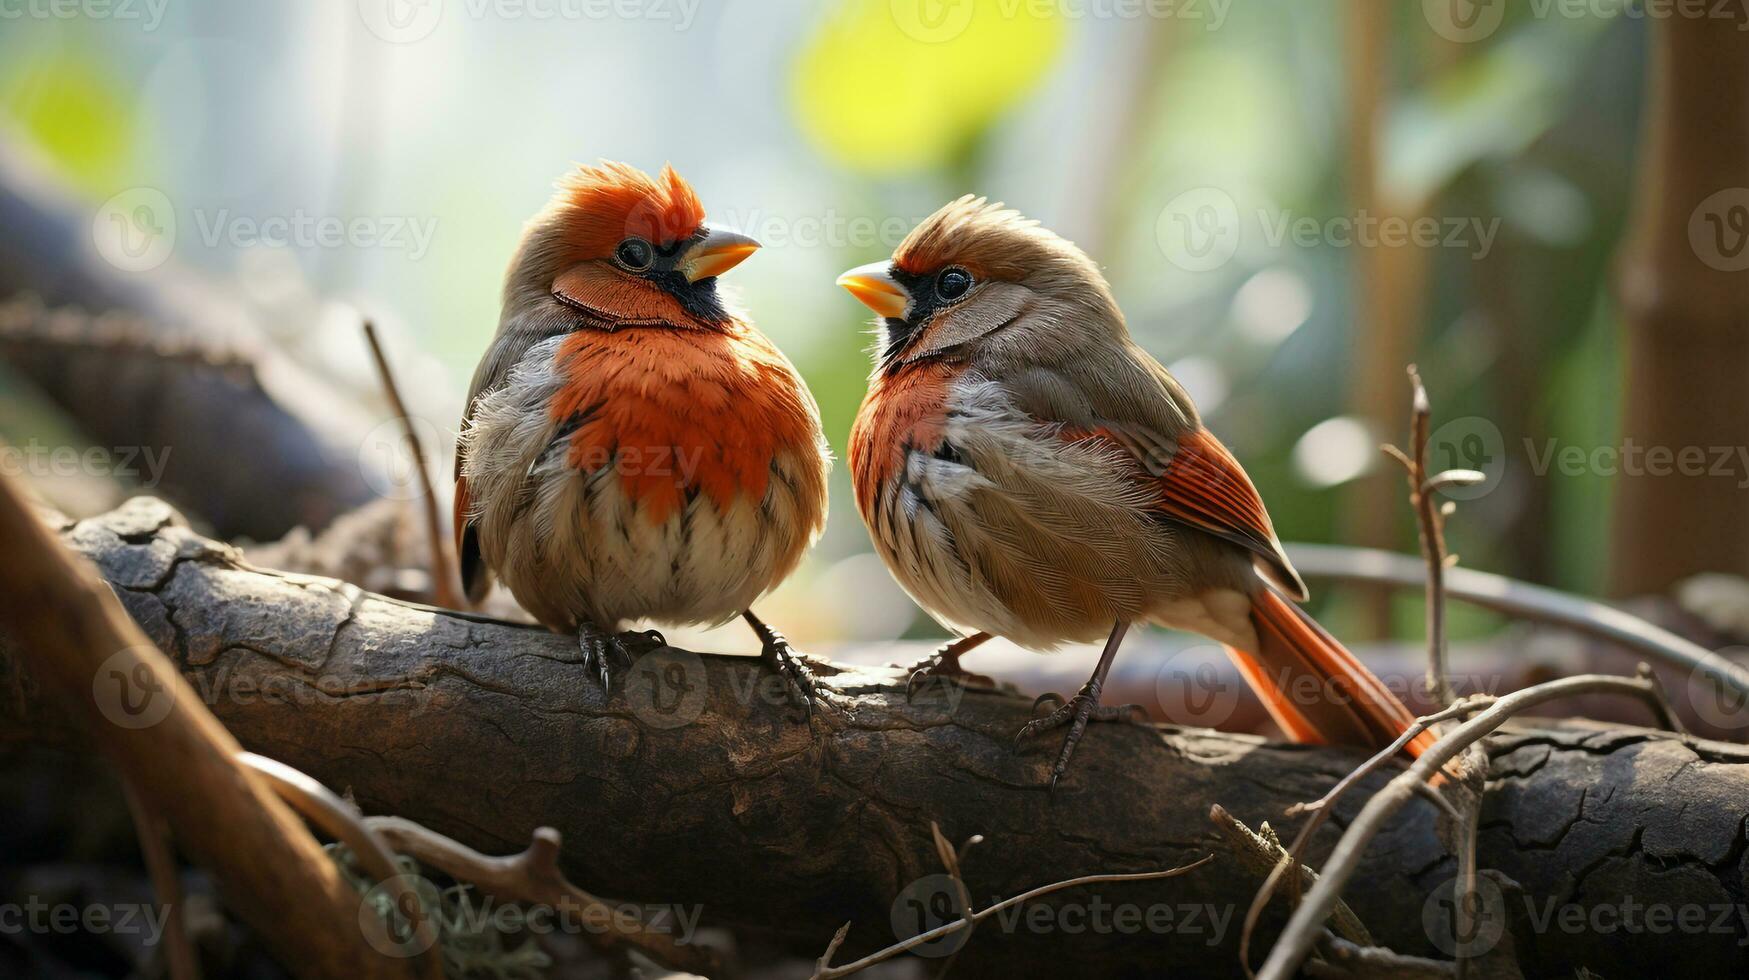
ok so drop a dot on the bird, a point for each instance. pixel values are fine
(633, 448)
(1026, 470)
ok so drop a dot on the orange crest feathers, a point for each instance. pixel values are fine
(603, 205)
(984, 237)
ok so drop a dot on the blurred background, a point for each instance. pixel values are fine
(1293, 200)
(1542, 205)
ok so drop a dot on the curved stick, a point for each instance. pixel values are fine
(823, 970)
(1303, 928)
(320, 806)
(533, 877)
(1523, 601)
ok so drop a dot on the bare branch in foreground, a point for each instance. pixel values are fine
(533, 878)
(179, 956)
(1522, 600)
(824, 971)
(1303, 928)
(1344, 960)
(1320, 809)
(65, 625)
(322, 807)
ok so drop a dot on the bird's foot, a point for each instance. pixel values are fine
(944, 663)
(606, 652)
(778, 652)
(1076, 712)
(796, 674)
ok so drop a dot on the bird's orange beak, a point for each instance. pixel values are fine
(719, 251)
(875, 286)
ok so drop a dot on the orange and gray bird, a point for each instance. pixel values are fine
(1027, 471)
(634, 449)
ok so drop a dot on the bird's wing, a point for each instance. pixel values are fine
(507, 348)
(1126, 398)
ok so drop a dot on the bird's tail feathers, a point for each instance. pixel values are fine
(1315, 689)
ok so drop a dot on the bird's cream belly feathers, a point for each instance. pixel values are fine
(1014, 529)
(586, 551)
(575, 546)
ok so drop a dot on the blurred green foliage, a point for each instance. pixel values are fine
(889, 87)
(66, 104)
(891, 107)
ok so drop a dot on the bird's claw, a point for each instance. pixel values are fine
(1049, 697)
(946, 666)
(1076, 712)
(794, 671)
(605, 652)
(649, 639)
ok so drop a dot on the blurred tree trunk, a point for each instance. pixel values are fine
(1684, 295)
(1389, 284)
(1526, 356)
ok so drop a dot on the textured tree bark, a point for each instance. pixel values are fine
(698, 783)
(1681, 288)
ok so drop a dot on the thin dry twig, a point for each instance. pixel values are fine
(1522, 600)
(951, 859)
(319, 805)
(533, 878)
(1466, 706)
(824, 963)
(1344, 960)
(1468, 825)
(1306, 924)
(1320, 809)
(823, 970)
(1661, 706)
(154, 834)
(1423, 493)
(445, 578)
(1262, 851)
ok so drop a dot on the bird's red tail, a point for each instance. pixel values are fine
(1313, 687)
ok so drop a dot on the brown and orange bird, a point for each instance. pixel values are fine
(1026, 470)
(633, 448)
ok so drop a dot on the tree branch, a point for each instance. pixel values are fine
(93, 662)
(699, 785)
(1303, 929)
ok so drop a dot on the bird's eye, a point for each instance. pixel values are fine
(635, 254)
(953, 283)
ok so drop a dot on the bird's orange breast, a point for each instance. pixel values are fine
(903, 410)
(681, 412)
